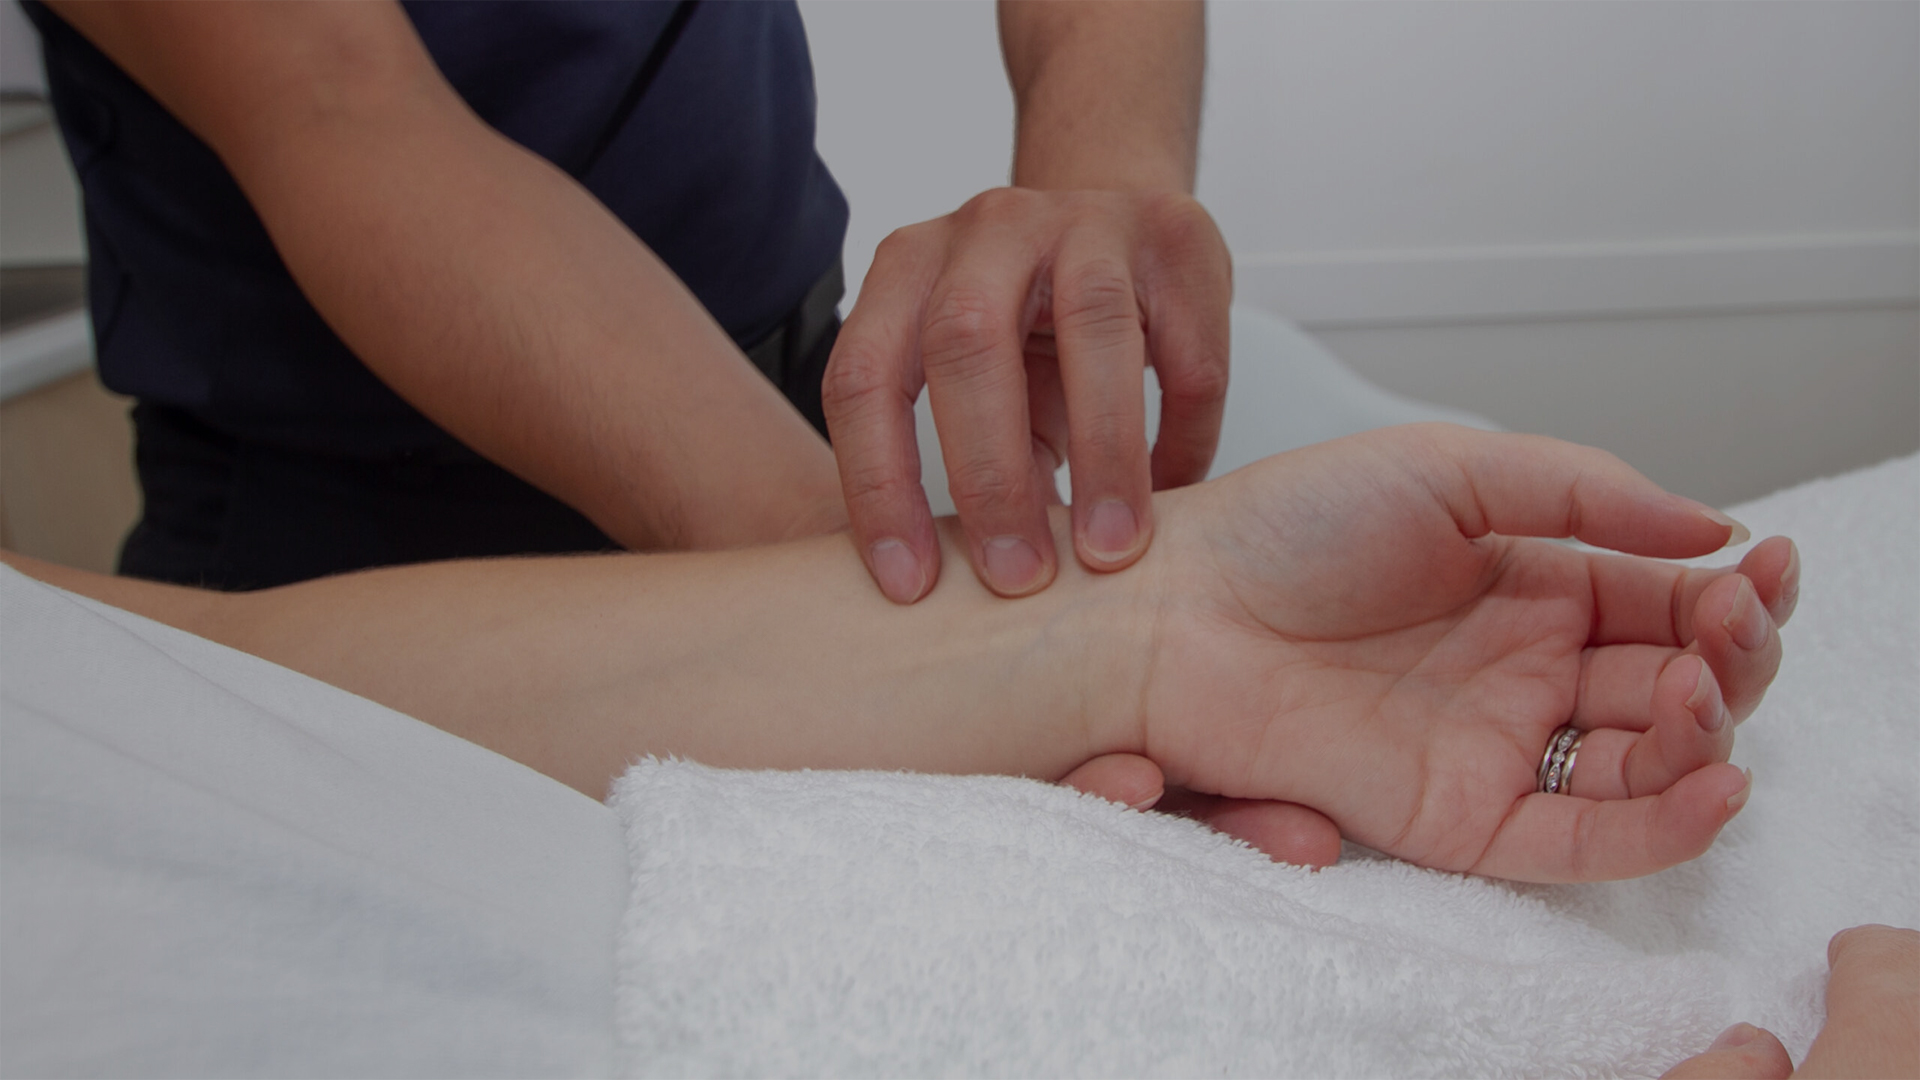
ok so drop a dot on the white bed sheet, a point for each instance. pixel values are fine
(214, 866)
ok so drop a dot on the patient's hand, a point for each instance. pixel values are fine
(1358, 627)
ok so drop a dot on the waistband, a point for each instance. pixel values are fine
(790, 343)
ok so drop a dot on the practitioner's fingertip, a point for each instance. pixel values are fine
(897, 570)
(1128, 779)
(1287, 832)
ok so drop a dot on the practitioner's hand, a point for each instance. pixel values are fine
(1287, 832)
(1029, 318)
(1873, 1019)
(1359, 627)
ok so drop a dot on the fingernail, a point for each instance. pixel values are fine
(1714, 716)
(1112, 529)
(1012, 564)
(1739, 798)
(1747, 622)
(897, 571)
(1736, 1036)
(1790, 577)
(1741, 534)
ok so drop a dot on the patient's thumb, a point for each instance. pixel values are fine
(1742, 1052)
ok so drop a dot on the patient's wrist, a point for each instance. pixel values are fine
(1097, 629)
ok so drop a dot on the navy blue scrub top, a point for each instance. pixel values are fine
(714, 169)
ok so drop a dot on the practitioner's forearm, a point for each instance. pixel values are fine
(479, 281)
(1107, 94)
(780, 657)
(521, 315)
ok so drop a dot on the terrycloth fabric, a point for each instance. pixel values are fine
(890, 924)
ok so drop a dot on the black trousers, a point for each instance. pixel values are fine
(226, 514)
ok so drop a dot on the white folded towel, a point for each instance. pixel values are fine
(823, 923)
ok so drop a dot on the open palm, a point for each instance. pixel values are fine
(1365, 629)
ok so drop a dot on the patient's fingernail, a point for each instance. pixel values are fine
(1736, 1036)
(1790, 578)
(1710, 713)
(1747, 621)
(1112, 529)
(1013, 566)
(1740, 533)
(1739, 798)
(897, 571)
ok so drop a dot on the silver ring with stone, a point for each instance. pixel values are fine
(1556, 763)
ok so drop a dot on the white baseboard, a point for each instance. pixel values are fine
(1362, 288)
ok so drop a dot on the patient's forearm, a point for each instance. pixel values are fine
(782, 657)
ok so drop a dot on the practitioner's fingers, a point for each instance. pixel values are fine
(1559, 838)
(1286, 832)
(1742, 1052)
(972, 345)
(1128, 779)
(1682, 725)
(868, 392)
(1637, 600)
(1047, 412)
(1103, 355)
(1186, 287)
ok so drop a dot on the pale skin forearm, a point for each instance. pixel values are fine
(480, 282)
(1107, 93)
(1362, 627)
(775, 657)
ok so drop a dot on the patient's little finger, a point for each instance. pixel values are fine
(1556, 838)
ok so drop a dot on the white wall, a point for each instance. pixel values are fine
(915, 116)
(1687, 232)
(19, 52)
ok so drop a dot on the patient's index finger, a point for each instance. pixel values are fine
(1528, 485)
